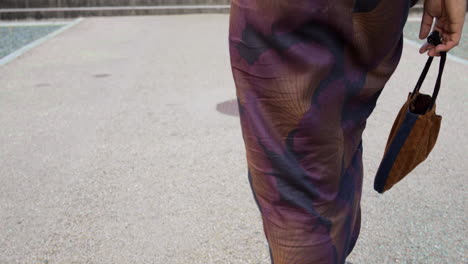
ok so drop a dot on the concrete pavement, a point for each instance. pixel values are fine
(112, 151)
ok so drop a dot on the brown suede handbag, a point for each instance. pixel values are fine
(414, 132)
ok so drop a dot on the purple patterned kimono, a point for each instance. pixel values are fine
(308, 74)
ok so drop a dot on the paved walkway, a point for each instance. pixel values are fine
(113, 152)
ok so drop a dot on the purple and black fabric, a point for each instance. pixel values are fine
(308, 74)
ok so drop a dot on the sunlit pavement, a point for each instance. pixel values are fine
(120, 144)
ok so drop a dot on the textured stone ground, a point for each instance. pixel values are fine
(112, 151)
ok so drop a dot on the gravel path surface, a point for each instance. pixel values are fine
(15, 37)
(113, 152)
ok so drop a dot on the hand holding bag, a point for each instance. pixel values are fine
(414, 131)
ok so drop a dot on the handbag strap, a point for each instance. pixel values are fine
(433, 39)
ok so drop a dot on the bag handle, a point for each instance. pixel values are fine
(433, 39)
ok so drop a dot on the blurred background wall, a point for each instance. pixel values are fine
(39, 9)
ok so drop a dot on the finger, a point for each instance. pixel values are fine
(448, 45)
(433, 52)
(445, 47)
(426, 24)
(425, 47)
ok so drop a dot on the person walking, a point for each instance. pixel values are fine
(308, 74)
